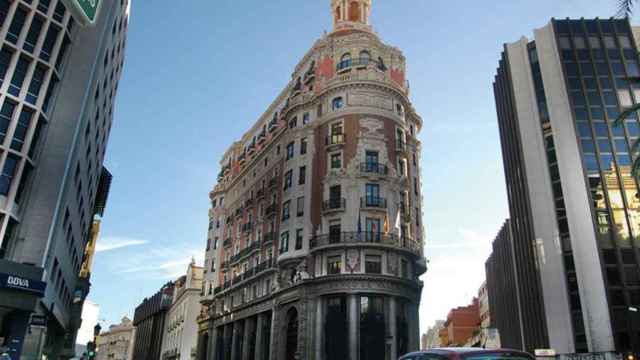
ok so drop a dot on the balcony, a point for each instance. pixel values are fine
(242, 158)
(363, 62)
(227, 242)
(271, 210)
(260, 194)
(248, 202)
(335, 140)
(245, 252)
(273, 182)
(372, 202)
(354, 238)
(247, 227)
(273, 125)
(239, 211)
(268, 237)
(249, 274)
(371, 168)
(262, 136)
(251, 149)
(230, 220)
(334, 205)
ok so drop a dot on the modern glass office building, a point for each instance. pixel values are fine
(58, 84)
(572, 198)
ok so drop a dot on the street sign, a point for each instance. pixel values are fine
(545, 353)
(85, 11)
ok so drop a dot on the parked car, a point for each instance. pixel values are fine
(467, 354)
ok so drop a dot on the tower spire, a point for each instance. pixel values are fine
(350, 14)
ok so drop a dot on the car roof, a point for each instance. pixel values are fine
(461, 350)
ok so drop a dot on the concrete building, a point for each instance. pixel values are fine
(570, 191)
(149, 320)
(321, 220)
(181, 327)
(58, 83)
(461, 325)
(484, 309)
(117, 343)
(431, 339)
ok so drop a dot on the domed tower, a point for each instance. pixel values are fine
(351, 14)
(321, 238)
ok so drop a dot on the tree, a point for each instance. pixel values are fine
(625, 8)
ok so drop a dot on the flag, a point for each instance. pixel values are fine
(359, 226)
(385, 226)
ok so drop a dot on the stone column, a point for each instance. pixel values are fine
(234, 341)
(319, 330)
(272, 346)
(226, 330)
(259, 335)
(414, 327)
(213, 342)
(392, 328)
(354, 324)
(246, 342)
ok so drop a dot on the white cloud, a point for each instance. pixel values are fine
(163, 263)
(113, 243)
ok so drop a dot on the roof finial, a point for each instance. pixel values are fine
(350, 14)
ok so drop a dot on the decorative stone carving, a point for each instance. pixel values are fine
(392, 263)
(372, 100)
(301, 272)
(353, 260)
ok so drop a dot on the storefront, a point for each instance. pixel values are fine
(20, 290)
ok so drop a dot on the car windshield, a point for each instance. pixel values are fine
(496, 356)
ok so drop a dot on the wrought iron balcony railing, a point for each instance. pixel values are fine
(365, 238)
(373, 168)
(373, 202)
(334, 204)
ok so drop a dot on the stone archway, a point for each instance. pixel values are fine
(291, 341)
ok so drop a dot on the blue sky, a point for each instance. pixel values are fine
(197, 75)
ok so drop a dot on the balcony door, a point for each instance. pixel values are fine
(372, 194)
(371, 161)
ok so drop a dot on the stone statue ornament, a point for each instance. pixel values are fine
(353, 260)
(301, 272)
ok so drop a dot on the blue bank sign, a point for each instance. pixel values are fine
(24, 284)
(84, 11)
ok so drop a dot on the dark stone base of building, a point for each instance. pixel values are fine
(354, 317)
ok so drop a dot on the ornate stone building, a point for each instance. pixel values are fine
(315, 241)
(117, 343)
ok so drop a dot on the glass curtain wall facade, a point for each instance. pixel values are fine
(600, 59)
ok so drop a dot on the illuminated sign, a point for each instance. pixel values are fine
(84, 11)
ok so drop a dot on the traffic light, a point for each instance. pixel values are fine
(91, 350)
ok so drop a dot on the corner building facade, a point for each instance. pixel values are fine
(316, 243)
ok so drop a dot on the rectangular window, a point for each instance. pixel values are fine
(43, 5)
(4, 10)
(36, 84)
(284, 242)
(305, 118)
(5, 61)
(303, 146)
(302, 176)
(16, 25)
(371, 159)
(6, 114)
(335, 232)
(288, 178)
(372, 194)
(300, 207)
(299, 239)
(286, 207)
(49, 43)
(290, 148)
(8, 172)
(18, 76)
(336, 161)
(373, 264)
(33, 34)
(334, 265)
(21, 129)
(58, 13)
(373, 230)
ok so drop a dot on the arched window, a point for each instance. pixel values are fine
(338, 15)
(292, 334)
(354, 11)
(337, 103)
(399, 110)
(345, 61)
(365, 57)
